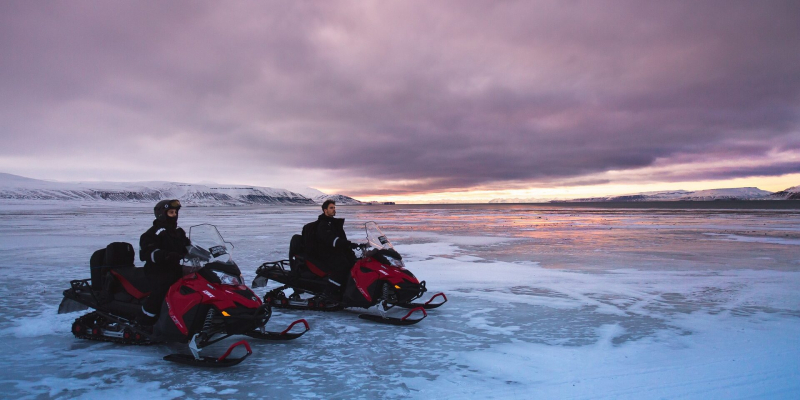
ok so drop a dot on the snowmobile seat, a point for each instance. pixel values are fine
(301, 267)
(311, 270)
(105, 266)
(133, 282)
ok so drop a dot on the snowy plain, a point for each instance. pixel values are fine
(544, 302)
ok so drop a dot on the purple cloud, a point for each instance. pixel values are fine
(398, 97)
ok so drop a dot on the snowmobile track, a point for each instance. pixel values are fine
(92, 326)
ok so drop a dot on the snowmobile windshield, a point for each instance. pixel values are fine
(381, 248)
(376, 238)
(207, 246)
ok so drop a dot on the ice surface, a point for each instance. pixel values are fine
(545, 302)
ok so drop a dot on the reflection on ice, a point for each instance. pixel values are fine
(544, 303)
(756, 239)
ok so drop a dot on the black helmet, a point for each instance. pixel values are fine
(160, 210)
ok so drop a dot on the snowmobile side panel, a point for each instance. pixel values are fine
(167, 329)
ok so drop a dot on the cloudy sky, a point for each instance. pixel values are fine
(405, 100)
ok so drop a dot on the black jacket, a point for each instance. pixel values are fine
(326, 242)
(157, 243)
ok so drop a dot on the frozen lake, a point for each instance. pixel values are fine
(545, 302)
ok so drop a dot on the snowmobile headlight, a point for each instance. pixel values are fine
(227, 279)
(395, 262)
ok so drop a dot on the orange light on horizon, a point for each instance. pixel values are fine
(477, 195)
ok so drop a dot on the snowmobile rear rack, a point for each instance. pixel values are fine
(273, 266)
(278, 267)
(80, 284)
(75, 288)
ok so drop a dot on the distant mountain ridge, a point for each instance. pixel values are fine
(747, 193)
(730, 194)
(792, 193)
(21, 188)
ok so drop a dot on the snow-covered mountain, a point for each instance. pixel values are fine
(745, 193)
(307, 191)
(338, 198)
(21, 188)
(792, 193)
(319, 197)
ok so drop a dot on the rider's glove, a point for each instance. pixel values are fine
(173, 257)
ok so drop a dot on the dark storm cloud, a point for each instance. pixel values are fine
(432, 95)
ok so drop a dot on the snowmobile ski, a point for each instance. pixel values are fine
(426, 305)
(285, 335)
(393, 320)
(195, 360)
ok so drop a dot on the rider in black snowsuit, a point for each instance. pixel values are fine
(328, 247)
(162, 248)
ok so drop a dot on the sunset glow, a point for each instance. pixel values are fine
(773, 184)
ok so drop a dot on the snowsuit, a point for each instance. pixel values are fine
(161, 248)
(327, 246)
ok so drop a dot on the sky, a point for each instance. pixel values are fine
(411, 101)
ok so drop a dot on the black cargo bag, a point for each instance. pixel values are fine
(96, 268)
(115, 255)
(119, 255)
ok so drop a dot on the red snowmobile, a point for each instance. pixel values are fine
(379, 278)
(210, 303)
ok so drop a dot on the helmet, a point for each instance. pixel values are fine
(160, 210)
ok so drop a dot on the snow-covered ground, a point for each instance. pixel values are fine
(545, 302)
